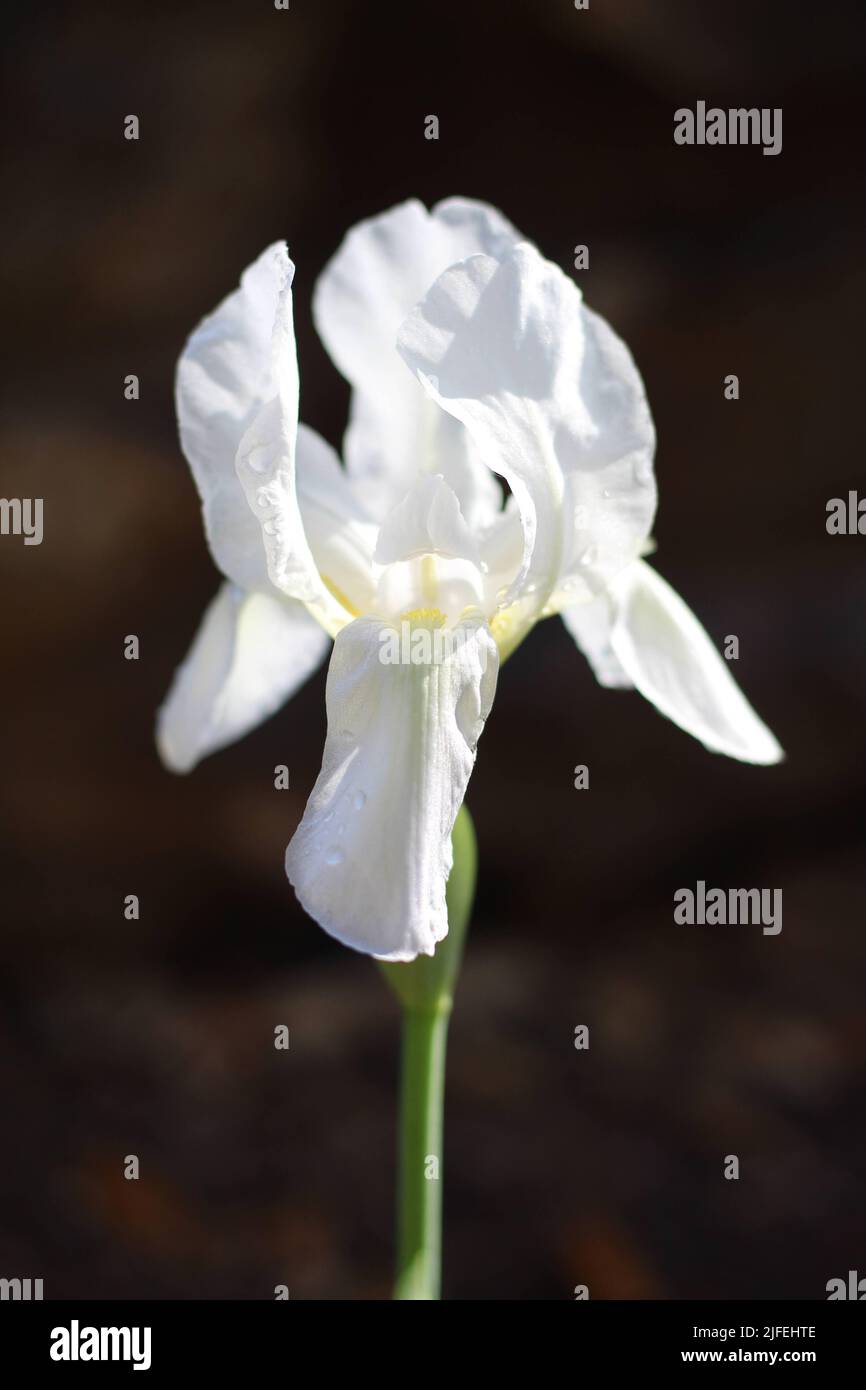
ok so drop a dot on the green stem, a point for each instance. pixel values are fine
(419, 1202)
(425, 989)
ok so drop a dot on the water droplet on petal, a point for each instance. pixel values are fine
(257, 458)
(590, 555)
(270, 528)
(334, 855)
(359, 800)
(643, 472)
(262, 497)
(606, 492)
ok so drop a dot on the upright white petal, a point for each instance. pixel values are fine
(501, 553)
(372, 854)
(610, 492)
(428, 521)
(384, 266)
(341, 536)
(553, 402)
(225, 375)
(251, 652)
(662, 648)
(268, 467)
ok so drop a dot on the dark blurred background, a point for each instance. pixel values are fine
(156, 1037)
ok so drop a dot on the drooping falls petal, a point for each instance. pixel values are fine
(226, 373)
(663, 650)
(372, 854)
(554, 403)
(384, 266)
(590, 625)
(250, 654)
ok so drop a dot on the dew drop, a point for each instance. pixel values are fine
(334, 855)
(257, 458)
(270, 528)
(590, 555)
(359, 800)
(643, 472)
(606, 492)
(262, 497)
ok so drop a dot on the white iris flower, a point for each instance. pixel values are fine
(469, 355)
